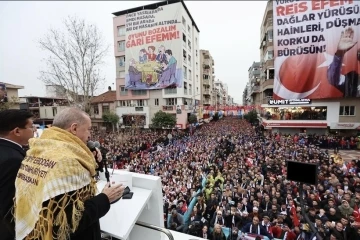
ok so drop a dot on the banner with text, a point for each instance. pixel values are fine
(153, 47)
(316, 49)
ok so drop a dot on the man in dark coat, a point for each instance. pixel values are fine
(16, 128)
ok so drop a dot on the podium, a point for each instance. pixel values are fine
(146, 206)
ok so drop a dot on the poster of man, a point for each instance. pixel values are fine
(153, 49)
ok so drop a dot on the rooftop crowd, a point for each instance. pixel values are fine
(228, 178)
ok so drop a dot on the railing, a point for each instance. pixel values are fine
(206, 81)
(207, 91)
(156, 228)
(168, 108)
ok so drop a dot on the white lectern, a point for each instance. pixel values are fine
(146, 206)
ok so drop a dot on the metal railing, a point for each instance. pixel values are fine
(156, 228)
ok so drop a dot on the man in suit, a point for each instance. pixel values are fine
(16, 128)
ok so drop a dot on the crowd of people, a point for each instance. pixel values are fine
(237, 176)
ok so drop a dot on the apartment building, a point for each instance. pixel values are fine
(207, 74)
(320, 116)
(220, 93)
(254, 91)
(12, 94)
(180, 100)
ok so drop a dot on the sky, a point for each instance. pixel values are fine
(230, 30)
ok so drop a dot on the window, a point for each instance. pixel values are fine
(171, 101)
(123, 91)
(197, 78)
(270, 35)
(138, 92)
(96, 109)
(197, 66)
(121, 74)
(190, 89)
(122, 61)
(105, 109)
(270, 54)
(121, 46)
(121, 30)
(139, 109)
(140, 103)
(184, 38)
(197, 90)
(170, 90)
(190, 75)
(189, 58)
(54, 110)
(185, 72)
(196, 52)
(189, 28)
(184, 55)
(156, 102)
(183, 21)
(189, 44)
(196, 44)
(347, 111)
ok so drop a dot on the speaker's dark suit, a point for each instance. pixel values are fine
(11, 156)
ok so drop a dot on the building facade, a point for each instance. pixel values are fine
(105, 102)
(143, 104)
(320, 116)
(207, 74)
(12, 93)
(254, 93)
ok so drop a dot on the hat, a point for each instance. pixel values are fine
(267, 217)
(344, 201)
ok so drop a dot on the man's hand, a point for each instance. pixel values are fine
(114, 192)
(97, 155)
(346, 42)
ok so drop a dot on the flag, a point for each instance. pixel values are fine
(356, 213)
(295, 218)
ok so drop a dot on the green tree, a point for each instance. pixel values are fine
(9, 104)
(192, 119)
(111, 118)
(163, 120)
(251, 116)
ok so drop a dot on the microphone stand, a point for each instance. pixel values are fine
(311, 225)
(107, 174)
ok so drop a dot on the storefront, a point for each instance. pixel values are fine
(345, 129)
(296, 127)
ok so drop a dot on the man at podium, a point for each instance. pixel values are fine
(55, 186)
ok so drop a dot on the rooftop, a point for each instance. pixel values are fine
(9, 85)
(154, 6)
(106, 97)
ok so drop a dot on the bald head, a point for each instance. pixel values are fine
(68, 116)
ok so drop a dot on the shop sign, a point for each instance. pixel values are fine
(289, 102)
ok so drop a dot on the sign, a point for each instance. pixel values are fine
(289, 102)
(345, 126)
(153, 48)
(294, 125)
(316, 49)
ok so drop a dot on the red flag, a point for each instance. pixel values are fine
(295, 218)
(356, 213)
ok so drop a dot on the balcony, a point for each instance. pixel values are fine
(206, 71)
(169, 108)
(267, 84)
(207, 102)
(206, 81)
(207, 63)
(269, 64)
(206, 92)
(255, 89)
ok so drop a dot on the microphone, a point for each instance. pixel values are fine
(92, 146)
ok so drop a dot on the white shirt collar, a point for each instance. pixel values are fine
(11, 141)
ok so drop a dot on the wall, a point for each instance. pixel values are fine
(48, 113)
(12, 93)
(155, 94)
(350, 102)
(118, 21)
(112, 108)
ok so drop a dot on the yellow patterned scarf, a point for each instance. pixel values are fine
(56, 164)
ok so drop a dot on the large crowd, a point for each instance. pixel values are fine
(228, 178)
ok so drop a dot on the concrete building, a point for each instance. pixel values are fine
(145, 103)
(254, 94)
(220, 93)
(207, 74)
(105, 102)
(266, 84)
(12, 92)
(43, 108)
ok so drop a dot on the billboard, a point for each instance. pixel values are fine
(153, 48)
(316, 49)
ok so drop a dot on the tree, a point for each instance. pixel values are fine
(251, 116)
(12, 102)
(192, 119)
(75, 55)
(163, 120)
(111, 118)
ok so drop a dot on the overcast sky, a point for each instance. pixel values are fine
(229, 30)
